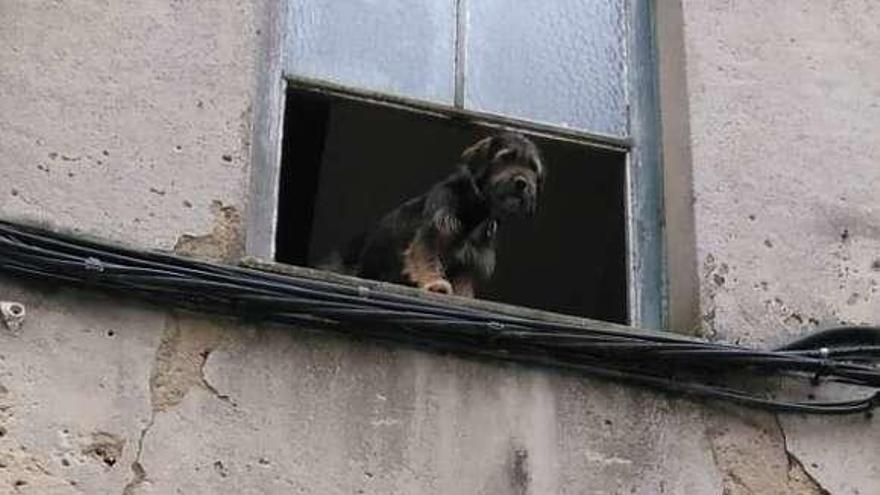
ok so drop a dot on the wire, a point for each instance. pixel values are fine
(657, 360)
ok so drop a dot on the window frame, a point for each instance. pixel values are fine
(645, 257)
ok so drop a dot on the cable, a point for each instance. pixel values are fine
(662, 361)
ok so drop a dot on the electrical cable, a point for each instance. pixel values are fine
(657, 360)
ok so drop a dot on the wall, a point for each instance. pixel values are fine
(132, 121)
(784, 111)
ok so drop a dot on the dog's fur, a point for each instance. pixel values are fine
(444, 240)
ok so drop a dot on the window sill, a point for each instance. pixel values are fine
(478, 304)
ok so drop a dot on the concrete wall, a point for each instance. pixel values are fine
(132, 121)
(784, 114)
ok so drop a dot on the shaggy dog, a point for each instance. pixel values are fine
(444, 240)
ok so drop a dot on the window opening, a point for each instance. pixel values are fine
(347, 162)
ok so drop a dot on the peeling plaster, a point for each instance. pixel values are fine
(750, 451)
(137, 469)
(225, 242)
(179, 365)
(798, 477)
(181, 356)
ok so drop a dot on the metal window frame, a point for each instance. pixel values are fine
(646, 240)
(646, 274)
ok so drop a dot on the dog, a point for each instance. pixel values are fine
(443, 241)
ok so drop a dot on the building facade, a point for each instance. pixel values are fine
(143, 123)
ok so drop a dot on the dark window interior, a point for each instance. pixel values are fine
(347, 162)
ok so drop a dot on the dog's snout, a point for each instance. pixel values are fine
(521, 183)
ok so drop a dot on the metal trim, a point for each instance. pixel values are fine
(644, 208)
(444, 111)
(647, 282)
(460, 53)
(262, 201)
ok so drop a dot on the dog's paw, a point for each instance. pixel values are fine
(438, 286)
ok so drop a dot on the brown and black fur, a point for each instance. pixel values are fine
(444, 240)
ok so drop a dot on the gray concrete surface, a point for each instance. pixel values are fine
(102, 395)
(784, 104)
(129, 120)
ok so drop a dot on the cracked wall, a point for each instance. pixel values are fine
(73, 401)
(133, 122)
(784, 109)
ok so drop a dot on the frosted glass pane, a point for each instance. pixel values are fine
(559, 62)
(404, 47)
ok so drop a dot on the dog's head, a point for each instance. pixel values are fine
(508, 171)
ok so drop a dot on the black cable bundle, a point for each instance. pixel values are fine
(664, 361)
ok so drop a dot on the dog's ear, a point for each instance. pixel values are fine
(477, 158)
(541, 172)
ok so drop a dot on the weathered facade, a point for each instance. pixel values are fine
(134, 122)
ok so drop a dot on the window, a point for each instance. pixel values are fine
(368, 85)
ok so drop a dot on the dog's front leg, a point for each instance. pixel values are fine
(422, 261)
(422, 264)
